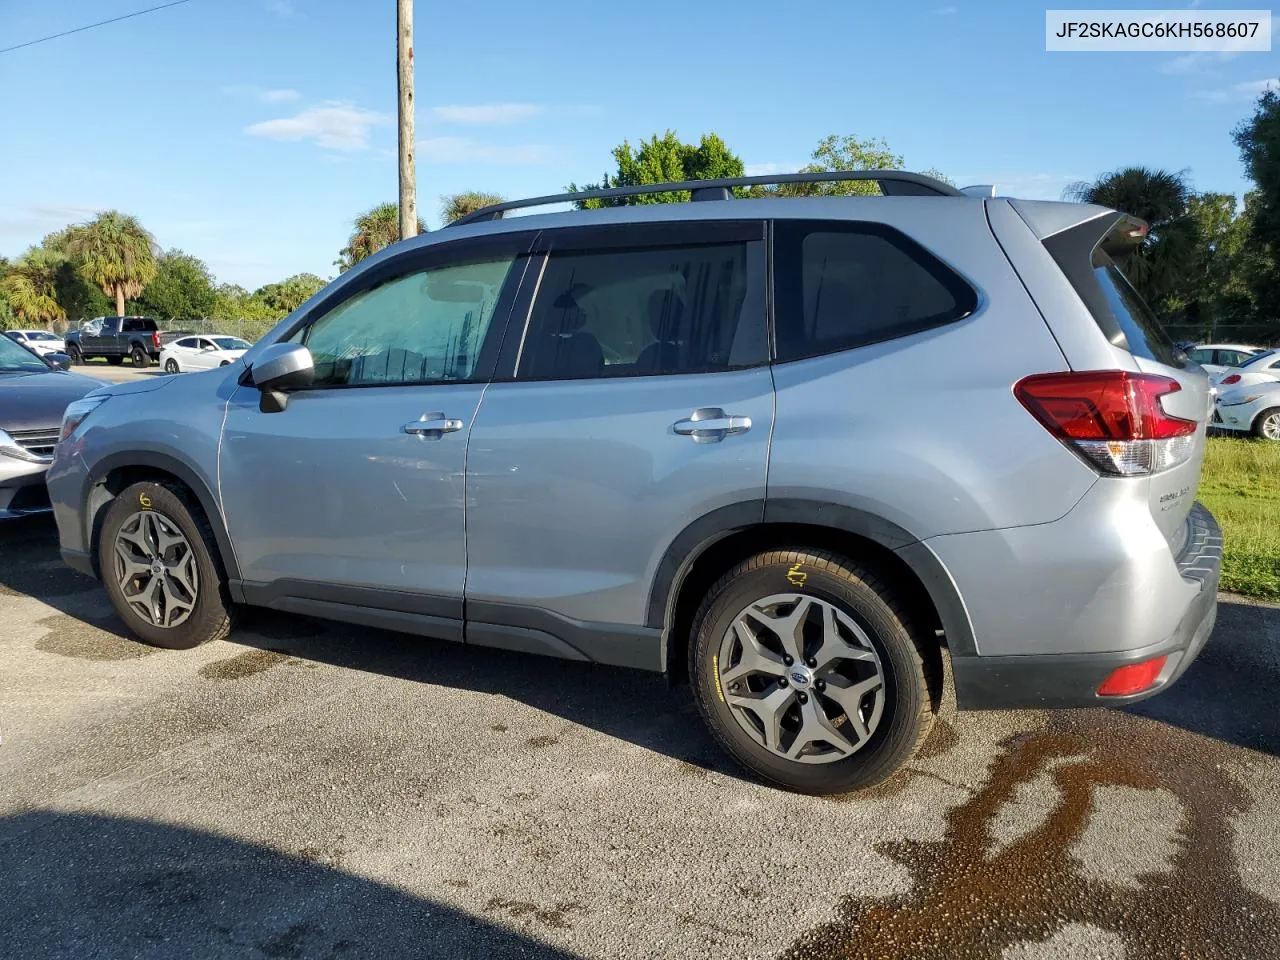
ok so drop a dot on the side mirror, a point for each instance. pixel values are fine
(280, 368)
(58, 361)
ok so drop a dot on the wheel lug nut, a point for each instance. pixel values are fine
(811, 663)
(782, 681)
(788, 661)
(820, 684)
(804, 698)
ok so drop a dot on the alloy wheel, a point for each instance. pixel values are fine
(801, 678)
(1271, 426)
(156, 569)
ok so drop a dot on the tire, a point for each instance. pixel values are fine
(171, 366)
(1266, 425)
(140, 357)
(225, 363)
(115, 361)
(173, 512)
(873, 629)
(76, 356)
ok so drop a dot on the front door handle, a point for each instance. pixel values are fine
(711, 425)
(433, 426)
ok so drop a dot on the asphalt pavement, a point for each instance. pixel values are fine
(318, 790)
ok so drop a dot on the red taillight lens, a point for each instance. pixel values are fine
(1227, 381)
(155, 339)
(1134, 678)
(1111, 418)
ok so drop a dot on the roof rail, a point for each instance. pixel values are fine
(892, 183)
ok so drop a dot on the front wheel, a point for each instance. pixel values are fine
(171, 366)
(140, 357)
(1266, 425)
(809, 673)
(155, 555)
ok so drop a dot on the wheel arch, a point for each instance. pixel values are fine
(714, 543)
(114, 473)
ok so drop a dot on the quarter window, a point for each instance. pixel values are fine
(642, 312)
(840, 286)
(424, 327)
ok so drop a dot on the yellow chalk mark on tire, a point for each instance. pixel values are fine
(715, 672)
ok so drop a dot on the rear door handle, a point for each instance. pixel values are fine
(711, 425)
(432, 426)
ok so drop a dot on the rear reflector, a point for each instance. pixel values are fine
(1112, 419)
(1136, 677)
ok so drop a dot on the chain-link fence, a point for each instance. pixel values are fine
(244, 328)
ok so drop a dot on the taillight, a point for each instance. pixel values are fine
(1133, 678)
(1227, 381)
(1112, 419)
(155, 339)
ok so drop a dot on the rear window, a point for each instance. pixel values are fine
(845, 285)
(142, 323)
(1145, 336)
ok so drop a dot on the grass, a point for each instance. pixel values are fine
(1241, 485)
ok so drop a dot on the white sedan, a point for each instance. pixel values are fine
(201, 353)
(1262, 368)
(1250, 408)
(41, 341)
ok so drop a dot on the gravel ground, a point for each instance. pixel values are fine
(316, 790)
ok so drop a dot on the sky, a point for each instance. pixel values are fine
(250, 133)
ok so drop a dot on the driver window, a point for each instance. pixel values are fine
(424, 327)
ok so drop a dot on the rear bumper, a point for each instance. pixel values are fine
(1072, 680)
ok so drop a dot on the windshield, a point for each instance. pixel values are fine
(230, 343)
(40, 335)
(17, 359)
(1260, 358)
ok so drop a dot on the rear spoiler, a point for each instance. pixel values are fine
(1088, 226)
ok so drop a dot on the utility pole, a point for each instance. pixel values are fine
(404, 78)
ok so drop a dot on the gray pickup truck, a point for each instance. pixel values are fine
(115, 338)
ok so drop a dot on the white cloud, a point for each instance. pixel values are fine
(465, 150)
(336, 125)
(1027, 186)
(262, 94)
(36, 219)
(763, 169)
(281, 8)
(1249, 90)
(488, 113)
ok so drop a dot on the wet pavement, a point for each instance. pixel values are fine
(317, 790)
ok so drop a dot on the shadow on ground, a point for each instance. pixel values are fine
(94, 886)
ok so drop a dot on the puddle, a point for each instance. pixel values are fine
(81, 640)
(970, 899)
(243, 664)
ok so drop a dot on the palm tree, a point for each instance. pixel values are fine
(29, 287)
(458, 205)
(115, 253)
(374, 229)
(1165, 258)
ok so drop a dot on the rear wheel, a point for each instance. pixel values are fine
(140, 357)
(156, 558)
(1267, 424)
(171, 365)
(808, 672)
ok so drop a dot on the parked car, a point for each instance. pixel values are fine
(1250, 408)
(1260, 368)
(1217, 357)
(116, 338)
(40, 341)
(201, 353)
(34, 392)
(655, 436)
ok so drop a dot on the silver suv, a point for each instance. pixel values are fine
(805, 452)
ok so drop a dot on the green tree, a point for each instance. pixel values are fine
(114, 252)
(1259, 141)
(1161, 264)
(374, 229)
(840, 153)
(28, 287)
(182, 288)
(458, 205)
(289, 294)
(663, 159)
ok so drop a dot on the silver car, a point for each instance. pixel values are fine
(802, 452)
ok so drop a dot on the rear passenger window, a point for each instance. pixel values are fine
(644, 311)
(846, 285)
